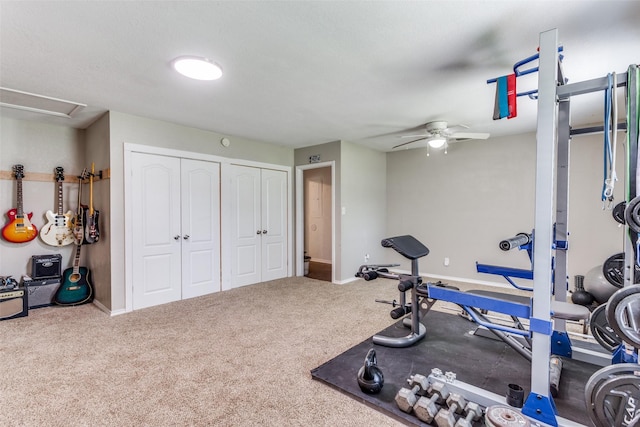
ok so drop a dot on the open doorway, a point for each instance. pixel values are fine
(315, 220)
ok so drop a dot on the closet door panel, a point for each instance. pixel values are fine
(246, 227)
(156, 222)
(200, 182)
(274, 222)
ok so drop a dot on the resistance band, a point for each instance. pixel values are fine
(610, 129)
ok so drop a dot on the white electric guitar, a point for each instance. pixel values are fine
(58, 231)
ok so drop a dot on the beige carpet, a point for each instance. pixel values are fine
(237, 358)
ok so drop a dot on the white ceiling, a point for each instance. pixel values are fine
(301, 73)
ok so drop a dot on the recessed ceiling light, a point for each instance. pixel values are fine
(197, 68)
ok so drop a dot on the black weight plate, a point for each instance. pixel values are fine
(618, 212)
(631, 215)
(623, 314)
(613, 270)
(616, 400)
(602, 331)
(599, 377)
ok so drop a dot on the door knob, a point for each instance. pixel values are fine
(258, 232)
(186, 237)
(176, 237)
(264, 231)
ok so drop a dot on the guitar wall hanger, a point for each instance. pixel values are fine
(49, 177)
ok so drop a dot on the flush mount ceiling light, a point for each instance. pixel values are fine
(437, 141)
(197, 68)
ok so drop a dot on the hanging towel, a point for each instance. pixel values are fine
(512, 96)
(501, 108)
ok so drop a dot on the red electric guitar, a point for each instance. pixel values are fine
(19, 229)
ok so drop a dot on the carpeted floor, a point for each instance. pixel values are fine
(237, 358)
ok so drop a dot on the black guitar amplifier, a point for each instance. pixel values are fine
(45, 266)
(13, 303)
(41, 291)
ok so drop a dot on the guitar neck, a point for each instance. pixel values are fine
(19, 210)
(91, 189)
(76, 260)
(60, 207)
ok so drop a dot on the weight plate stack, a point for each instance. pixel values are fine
(613, 270)
(612, 394)
(602, 331)
(623, 314)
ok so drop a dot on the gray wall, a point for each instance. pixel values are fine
(462, 204)
(39, 147)
(361, 194)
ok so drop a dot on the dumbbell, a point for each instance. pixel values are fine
(445, 417)
(406, 398)
(426, 409)
(474, 411)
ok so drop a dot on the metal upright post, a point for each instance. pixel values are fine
(562, 206)
(539, 404)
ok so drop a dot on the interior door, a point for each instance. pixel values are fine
(200, 231)
(156, 236)
(246, 226)
(274, 224)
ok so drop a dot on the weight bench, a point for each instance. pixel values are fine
(423, 296)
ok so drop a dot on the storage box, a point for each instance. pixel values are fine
(13, 303)
(40, 292)
(46, 266)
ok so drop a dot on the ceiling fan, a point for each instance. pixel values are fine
(438, 135)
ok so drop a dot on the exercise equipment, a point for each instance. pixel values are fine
(515, 395)
(612, 395)
(407, 398)
(504, 416)
(613, 270)
(370, 377)
(425, 408)
(518, 240)
(579, 295)
(618, 212)
(445, 416)
(473, 411)
(597, 285)
(602, 331)
(623, 314)
(373, 271)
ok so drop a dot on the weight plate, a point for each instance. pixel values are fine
(618, 212)
(617, 400)
(623, 314)
(602, 375)
(631, 215)
(602, 331)
(613, 270)
(504, 416)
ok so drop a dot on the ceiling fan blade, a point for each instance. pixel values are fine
(469, 135)
(424, 135)
(409, 142)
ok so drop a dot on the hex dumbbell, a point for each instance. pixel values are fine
(446, 417)
(406, 398)
(425, 408)
(473, 411)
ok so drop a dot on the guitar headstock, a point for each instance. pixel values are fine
(59, 173)
(18, 171)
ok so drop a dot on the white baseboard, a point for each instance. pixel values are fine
(322, 261)
(344, 282)
(106, 310)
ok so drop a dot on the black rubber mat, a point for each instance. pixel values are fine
(486, 363)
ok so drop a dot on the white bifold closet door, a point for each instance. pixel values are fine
(259, 225)
(176, 228)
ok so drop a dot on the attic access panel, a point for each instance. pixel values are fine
(26, 101)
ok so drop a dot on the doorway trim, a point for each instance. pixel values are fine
(300, 216)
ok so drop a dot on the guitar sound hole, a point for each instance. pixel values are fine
(74, 277)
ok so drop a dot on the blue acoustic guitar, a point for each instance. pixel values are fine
(76, 287)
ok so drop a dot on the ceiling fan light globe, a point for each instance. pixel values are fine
(437, 142)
